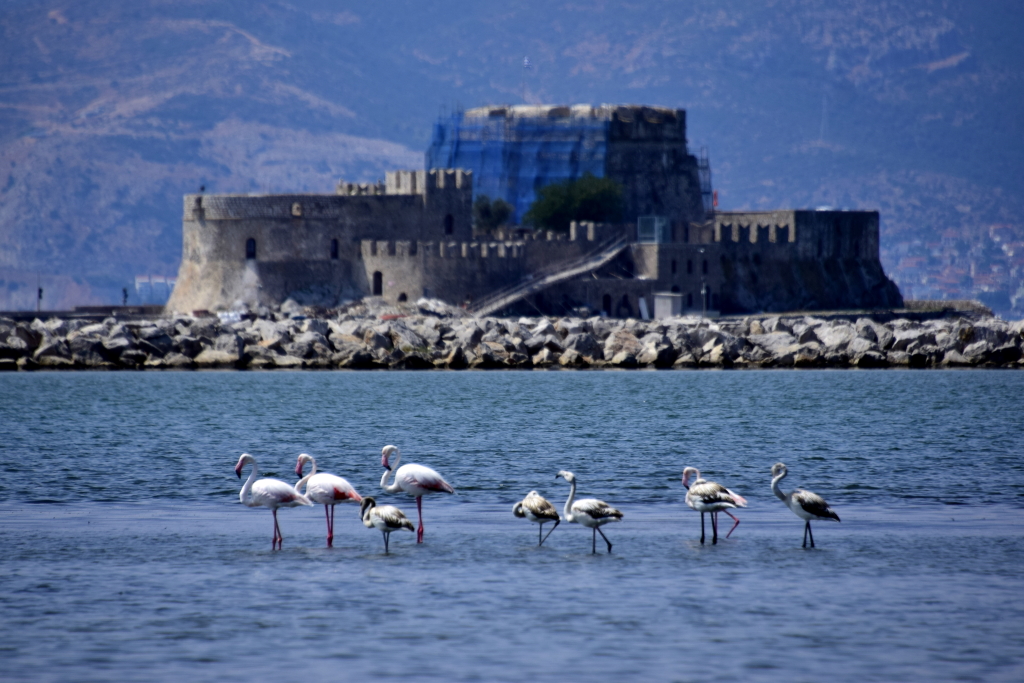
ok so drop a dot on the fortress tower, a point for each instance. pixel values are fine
(515, 150)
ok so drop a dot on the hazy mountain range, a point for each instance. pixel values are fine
(109, 112)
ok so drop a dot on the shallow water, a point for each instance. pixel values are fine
(127, 555)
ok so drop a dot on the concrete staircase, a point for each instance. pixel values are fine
(547, 277)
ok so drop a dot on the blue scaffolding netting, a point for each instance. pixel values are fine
(513, 157)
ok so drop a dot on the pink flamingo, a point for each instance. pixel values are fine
(269, 493)
(416, 480)
(707, 496)
(325, 489)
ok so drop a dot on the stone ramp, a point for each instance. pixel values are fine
(550, 276)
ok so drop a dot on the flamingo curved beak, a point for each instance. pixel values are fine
(238, 472)
(298, 470)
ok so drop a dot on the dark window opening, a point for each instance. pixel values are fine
(704, 267)
(714, 301)
(403, 297)
(757, 259)
(334, 250)
(606, 304)
(378, 283)
(673, 266)
(686, 233)
(675, 289)
(624, 309)
(250, 249)
(689, 267)
(689, 300)
(449, 224)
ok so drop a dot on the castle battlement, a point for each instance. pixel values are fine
(405, 249)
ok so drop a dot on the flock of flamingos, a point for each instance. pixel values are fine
(418, 480)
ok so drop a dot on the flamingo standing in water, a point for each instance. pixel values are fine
(325, 489)
(707, 496)
(537, 509)
(384, 518)
(416, 480)
(270, 493)
(804, 504)
(590, 512)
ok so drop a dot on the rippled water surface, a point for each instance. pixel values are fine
(127, 556)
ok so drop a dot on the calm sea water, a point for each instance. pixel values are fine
(127, 556)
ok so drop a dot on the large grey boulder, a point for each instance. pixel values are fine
(229, 343)
(835, 336)
(315, 325)
(860, 345)
(774, 343)
(87, 350)
(271, 332)
(468, 334)
(27, 334)
(407, 340)
(657, 351)
(14, 347)
(205, 327)
(621, 341)
(114, 347)
(188, 346)
(977, 352)
(157, 336)
(584, 344)
(429, 331)
(308, 345)
(905, 336)
(567, 326)
(602, 328)
(544, 328)
(375, 341)
(52, 346)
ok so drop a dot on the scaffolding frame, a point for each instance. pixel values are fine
(513, 157)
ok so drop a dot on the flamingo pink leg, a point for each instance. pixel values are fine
(419, 511)
(278, 538)
(734, 525)
(330, 526)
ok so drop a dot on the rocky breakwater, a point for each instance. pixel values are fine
(421, 339)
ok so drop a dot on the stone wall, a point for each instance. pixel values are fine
(801, 260)
(266, 248)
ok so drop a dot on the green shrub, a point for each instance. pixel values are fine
(588, 199)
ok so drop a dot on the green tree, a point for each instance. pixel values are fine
(487, 214)
(588, 199)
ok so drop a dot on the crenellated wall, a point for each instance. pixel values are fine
(791, 260)
(265, 248)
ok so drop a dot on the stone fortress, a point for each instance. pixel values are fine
(411, 236)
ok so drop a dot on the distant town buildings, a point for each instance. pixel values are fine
(989, 269)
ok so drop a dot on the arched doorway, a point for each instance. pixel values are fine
(403, 297)
(449, 224)
(378, 283)
(624, 309)
(334, 250)
(606, 304)
(250, 249)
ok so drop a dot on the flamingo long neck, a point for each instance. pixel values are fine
(776, 489)
(567, 510)
(394, 488)
(245, 495)
(302, 482)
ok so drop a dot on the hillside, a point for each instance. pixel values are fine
(108, 114)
